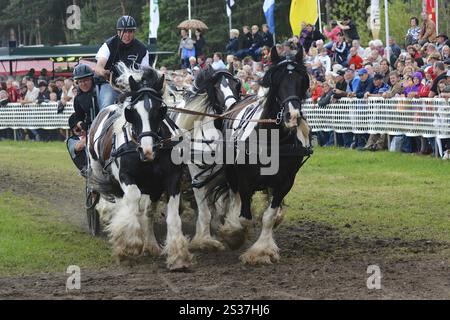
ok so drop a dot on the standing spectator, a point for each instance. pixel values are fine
(427, 31)
(349, 28)
(13, 92)
(395, 50)
(332, 34)
(267, 37)
(339, 50)
(67, 91)
(441, 73)
(186, 49)
(412, 36)
(396, 86)
(233, 44)
(309, 37)
(200, 43)
(59, 84)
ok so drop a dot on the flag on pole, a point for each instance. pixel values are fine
(431, 9)
(375, 22)
(230, 3)
(269, 12)
(154, 19)
(302, 11)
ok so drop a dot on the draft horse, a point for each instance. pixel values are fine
(130, 152)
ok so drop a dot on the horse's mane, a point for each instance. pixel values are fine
(271, 80)
(150, 75)
(203, 99)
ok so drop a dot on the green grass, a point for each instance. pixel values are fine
(33, 240)
(379, 194)
(371, 195)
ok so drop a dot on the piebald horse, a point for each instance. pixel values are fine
(130, 154)
(287, 82)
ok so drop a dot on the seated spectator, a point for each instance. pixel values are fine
(265, 56)
(59, 85)
(233, 44)
(4, 99)
(31, 94)
(322, 60)
(316, 90)
(309, 38)
(428, 30)
(443, 89)
(340, 89)
(267, 37)
(44, 94)
(412, 36)
(326, 138)
(394, 49)
(13, 91)
(53, 97)
(446, 54)
(425, 90)
(355, 59)
(218, 63)
(441, 41)
(412, 51)
(385, 70)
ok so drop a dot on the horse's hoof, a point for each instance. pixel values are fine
(234, 238)
(152, 250)
(206, 244)
(260, 257)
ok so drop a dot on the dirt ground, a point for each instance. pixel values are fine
(317, 262)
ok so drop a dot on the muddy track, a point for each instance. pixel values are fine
(317, 262)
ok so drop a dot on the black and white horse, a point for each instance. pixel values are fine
(215, 91)
(130, 159)
(287, 82)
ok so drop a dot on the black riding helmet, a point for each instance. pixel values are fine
(82, 71)
(72, 121)
(126, 22)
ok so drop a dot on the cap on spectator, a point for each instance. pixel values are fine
(362, 71)
(443, 36)
(378, 76)
(42, 83)
(60, 79)
(340, 72)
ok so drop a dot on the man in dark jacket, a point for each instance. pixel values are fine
(121, 47)
(267, 37)
(85, 102)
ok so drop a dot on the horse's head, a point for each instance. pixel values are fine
(222, 88)
(288, 82)
(145, 110)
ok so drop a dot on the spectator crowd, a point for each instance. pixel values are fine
(339, 66)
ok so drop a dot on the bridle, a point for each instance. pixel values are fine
(146, 94)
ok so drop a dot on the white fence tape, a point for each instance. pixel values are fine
(412, 117)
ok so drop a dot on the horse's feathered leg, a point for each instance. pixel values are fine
(203, 239)
(176, 248)
(233, 232)
(265, 250)
(147, 221)
(125, 229)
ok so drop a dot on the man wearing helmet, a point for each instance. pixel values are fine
(85, 103)
(121, 47)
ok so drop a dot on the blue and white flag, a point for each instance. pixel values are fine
(230, 3)
(154, 19)
(269, 12)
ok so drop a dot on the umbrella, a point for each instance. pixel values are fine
(193, 24)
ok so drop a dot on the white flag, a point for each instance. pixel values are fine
(230, 3)
(154, 19)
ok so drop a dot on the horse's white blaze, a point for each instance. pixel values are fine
(146, 142)
(227, 92)
(295, 114)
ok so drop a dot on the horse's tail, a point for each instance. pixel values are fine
(218, 187)
(106, 185)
